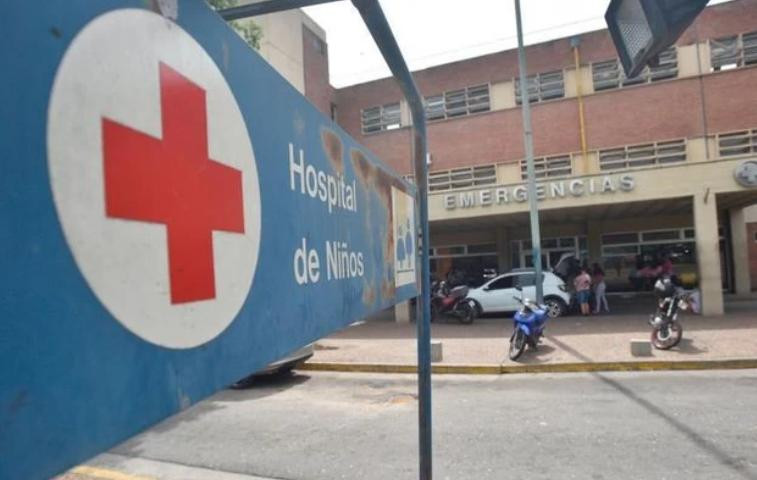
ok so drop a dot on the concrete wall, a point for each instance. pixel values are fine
(315, 58)
(751, 231)
(289, 44)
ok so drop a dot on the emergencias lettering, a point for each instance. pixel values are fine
(544, 191)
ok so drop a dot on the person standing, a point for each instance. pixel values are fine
(582, 284)
(598, 280)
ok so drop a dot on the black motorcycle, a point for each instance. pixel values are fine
(452, 302)
(671, 299)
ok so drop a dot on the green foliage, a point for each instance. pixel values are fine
(247, 29)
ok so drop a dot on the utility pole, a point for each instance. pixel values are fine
(529, 148)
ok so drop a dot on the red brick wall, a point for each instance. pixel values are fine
(723, 20)
(316, 66)
(393, 148)
(731, 99)
(498, 136)
(659, 111)
(751, 231)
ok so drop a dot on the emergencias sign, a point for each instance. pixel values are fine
(175, 216)
(578, 187)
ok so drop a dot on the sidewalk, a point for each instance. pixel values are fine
(601, 339)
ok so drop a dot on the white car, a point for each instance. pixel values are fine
(496, 295)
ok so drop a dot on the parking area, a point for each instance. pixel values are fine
(573, 338)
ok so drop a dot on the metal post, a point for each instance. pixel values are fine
(529, 147)
(376, 22)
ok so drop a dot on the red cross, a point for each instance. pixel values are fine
(174, 182)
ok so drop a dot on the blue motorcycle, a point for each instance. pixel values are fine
(528, 326)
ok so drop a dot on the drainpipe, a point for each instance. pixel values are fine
(702, 98)
(574, 42)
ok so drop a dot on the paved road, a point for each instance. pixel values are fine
(662, 425)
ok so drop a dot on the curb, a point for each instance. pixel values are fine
(577, 367)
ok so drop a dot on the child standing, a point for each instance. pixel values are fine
(598, 279)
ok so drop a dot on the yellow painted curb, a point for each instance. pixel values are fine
(536, 368)
(106, 474)
(399, 368)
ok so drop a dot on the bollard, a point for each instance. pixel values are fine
(436, 351)
(641, 348)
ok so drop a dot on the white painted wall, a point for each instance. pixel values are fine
(281, 44)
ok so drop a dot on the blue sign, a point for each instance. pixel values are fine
(174, 216)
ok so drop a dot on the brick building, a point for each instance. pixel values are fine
(630, 171)
(649, 173)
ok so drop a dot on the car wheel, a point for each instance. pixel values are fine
(477, 307)
(555, 307)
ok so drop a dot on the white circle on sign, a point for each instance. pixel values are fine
(154, 178)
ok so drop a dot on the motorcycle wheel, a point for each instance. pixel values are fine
(517, 344)
(466, 313)
(666, 337)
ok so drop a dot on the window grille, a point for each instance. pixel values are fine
(463, 250)
(435, 107)
(542, 86)
(734, 51)
(605, 75)
(385, 117)
(633, 243)
(609, 74)
(462, 178)
(737, 143)
(557, 166)
(456, 103)
(630, 156)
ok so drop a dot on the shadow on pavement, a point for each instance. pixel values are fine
(498, 325)
(532, 356)
(738, 466)
(261, 386)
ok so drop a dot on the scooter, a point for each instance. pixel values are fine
(666, 329)
(528, 326)
(452, 302)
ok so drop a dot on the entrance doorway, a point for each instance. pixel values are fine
(552, 250)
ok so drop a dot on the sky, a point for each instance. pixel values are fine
(434, 32)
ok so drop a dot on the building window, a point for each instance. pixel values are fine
(377, 119)
(552, 251)
(457, 103)
(462, 178)
(608, 75)
(737, 143)
(734, 51)
(630, 156)
(557, 166)
(464, 264)
(649, 248)
(320, 45)
(333, 111)
(542, 86)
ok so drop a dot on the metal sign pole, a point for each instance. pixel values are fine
(529, 147)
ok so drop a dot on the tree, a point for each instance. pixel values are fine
(247, 29)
